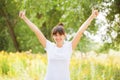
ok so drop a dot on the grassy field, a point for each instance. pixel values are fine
(27, 66)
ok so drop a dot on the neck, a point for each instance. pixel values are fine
(59, 44)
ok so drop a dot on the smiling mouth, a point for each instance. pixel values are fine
(58, 40)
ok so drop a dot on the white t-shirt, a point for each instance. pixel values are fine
(58, 61)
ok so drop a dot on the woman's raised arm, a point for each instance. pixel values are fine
(34, 28)
(83, 28)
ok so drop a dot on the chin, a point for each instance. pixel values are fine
(58, 41)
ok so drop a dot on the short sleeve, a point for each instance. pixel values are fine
(48, 45)
(70, 46)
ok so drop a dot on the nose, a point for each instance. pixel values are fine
(58, 37)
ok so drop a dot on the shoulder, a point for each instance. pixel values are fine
(68, 46)
(49, 44)
(68, 43)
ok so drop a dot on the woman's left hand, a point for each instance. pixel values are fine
(95, 13)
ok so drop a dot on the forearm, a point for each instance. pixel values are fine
(80, 31)
(36, 30)
(32, 26)
(85, 25)
(83, 28)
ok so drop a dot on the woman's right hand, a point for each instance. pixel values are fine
(22, 14)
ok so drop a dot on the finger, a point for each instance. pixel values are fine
(96, 12)
(24, 12)
(92, 10)
(21, 14)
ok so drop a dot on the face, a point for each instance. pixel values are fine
(59, 39)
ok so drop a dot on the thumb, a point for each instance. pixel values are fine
(24, 11)
(93, 10)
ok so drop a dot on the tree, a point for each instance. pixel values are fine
(112, 10)
(9, 20)
(46, 14)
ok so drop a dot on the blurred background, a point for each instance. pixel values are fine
(102, 35)
(97, 57)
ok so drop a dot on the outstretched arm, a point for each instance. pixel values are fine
(83, 28)
(34, 28)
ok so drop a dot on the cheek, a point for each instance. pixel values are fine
(55, 38)
(63, 37)
(59, 37)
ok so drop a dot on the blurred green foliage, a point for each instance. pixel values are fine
(16, 36)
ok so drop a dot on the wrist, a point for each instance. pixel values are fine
(24, 17)
(92, 16)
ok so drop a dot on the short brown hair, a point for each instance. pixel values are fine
(58, 29)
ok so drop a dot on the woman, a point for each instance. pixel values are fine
(58, 53)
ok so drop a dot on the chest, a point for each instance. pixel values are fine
(59, 53)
